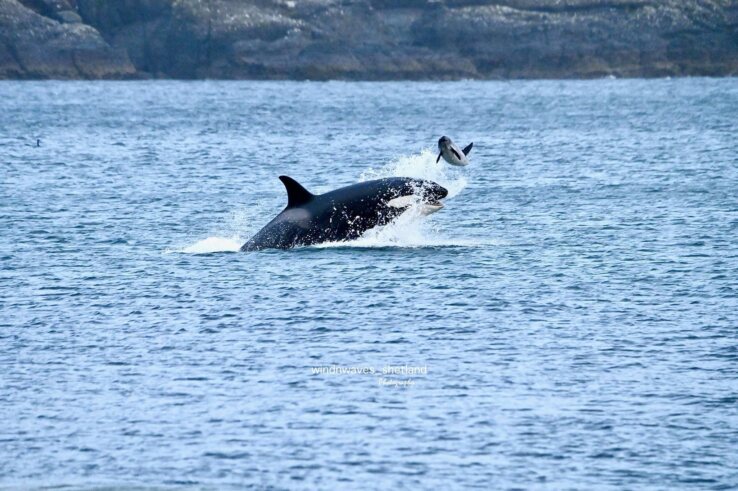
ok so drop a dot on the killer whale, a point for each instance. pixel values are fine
(343, 214)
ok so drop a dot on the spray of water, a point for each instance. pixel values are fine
(421, 166)
(411, 229)
(229, 237)
(214, 244)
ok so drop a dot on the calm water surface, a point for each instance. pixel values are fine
(572, 310)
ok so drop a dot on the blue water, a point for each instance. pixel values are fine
(572, 312)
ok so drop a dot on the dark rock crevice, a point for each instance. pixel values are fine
(11, 66)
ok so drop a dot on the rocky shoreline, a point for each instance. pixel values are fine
(366, 39)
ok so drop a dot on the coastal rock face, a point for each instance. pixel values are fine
(48, 40)
(367, 39)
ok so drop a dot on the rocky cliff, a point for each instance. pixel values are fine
(367, 39)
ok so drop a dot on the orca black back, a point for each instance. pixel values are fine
(339, 215)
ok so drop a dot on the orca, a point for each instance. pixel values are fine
(345, 213)
(451, 153)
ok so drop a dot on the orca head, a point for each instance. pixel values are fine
(424, 193)
(432, 192)
(431, 196)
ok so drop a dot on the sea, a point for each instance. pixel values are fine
(568, 320)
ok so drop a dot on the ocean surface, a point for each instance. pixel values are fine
(569, 320)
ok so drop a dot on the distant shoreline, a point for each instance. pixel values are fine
(367, 40)
(419, 81)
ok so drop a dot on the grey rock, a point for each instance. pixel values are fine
(35, 46)
(406, 39)
(69, 17)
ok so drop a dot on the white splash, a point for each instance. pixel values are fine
(412, 229)
(214, 244)
(421, 166)
(229, 237)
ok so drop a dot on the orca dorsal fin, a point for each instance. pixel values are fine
(296, 194)
(468, 148)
